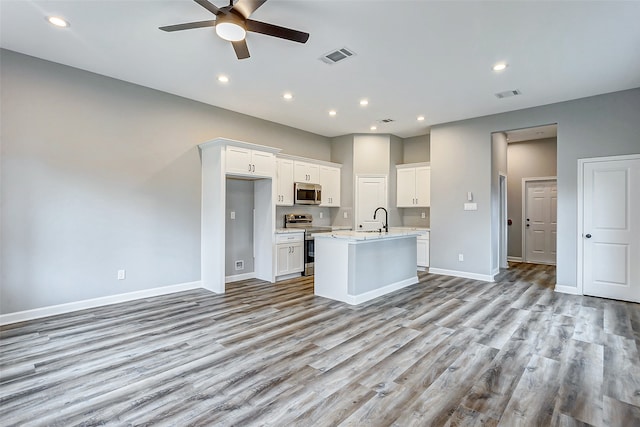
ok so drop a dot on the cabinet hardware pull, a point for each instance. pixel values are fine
(254, 168)
(249, 167)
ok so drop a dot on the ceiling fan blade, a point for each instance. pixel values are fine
(276, 31)
(242, 51)
(189, 25)
(210, 7)
(247, 7)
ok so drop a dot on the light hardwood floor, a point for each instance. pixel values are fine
(447, 351)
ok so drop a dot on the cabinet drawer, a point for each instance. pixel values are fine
(289, 237)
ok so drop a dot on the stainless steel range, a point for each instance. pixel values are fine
(305, 222)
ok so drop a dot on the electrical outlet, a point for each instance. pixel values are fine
(423, 215)
(460, 257)
(122, 274)
(233, 215)
(320, 215)
(345, 215)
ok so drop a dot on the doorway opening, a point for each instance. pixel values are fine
(522, 155)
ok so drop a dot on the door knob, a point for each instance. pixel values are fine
(588, 236)
(528, 225)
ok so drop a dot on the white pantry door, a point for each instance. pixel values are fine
(371, 193)
(611, 228)
(540, 228)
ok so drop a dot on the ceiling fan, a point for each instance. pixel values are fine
(232, 23)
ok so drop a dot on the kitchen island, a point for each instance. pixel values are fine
(355, 266)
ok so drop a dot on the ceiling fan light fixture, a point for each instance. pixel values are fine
(230, 28)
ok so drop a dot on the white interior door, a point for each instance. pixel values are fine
(371, 193)
(540, 223)
(611, 228)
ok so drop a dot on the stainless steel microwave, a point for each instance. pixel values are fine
(307, 194)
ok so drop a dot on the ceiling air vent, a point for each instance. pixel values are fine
(508, 93)
(337, 55)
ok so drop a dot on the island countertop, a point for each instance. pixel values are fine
(367, 235)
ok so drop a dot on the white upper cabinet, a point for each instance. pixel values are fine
(330, 182)
(284, 177)
(244, 161)
(306, 172)
(413, 186)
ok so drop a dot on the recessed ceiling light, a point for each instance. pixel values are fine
(288, 96)
(223, 79)
(364, 102)
(332, 113)
(421, 118)
(57, 21)
(373, 127)
(500, 66)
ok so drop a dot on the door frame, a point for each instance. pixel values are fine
(580, 219)
(524, 211)
(503, 245)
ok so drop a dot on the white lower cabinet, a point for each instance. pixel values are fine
(423, 250)
(289, 253)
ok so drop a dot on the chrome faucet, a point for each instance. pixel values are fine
(386, 218)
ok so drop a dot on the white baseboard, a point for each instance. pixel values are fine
(287, 277)
(367, 296)
(514, 258)
(52, 310)
(238, 277)
(572, 290)
(463, 274)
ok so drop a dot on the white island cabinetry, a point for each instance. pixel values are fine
(355, 267)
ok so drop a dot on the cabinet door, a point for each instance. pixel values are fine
(306, 172)
(423, 252)
(282, 259)
(314, 173)
(423, 186)
(296, 258)
(238, 160)
(300, 172)
(330, 182)
(263, 164)
(406, 188)
(285, 182)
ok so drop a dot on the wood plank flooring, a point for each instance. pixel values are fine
(444, 352)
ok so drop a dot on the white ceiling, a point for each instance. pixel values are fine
(413, 57)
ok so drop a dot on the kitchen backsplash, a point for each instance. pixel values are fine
(412, 217)
(281, 211)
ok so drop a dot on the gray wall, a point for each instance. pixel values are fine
(461, 161)
(342, 152)
(239, 231)
(100, 175)
(527, 159)
(417, 149)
